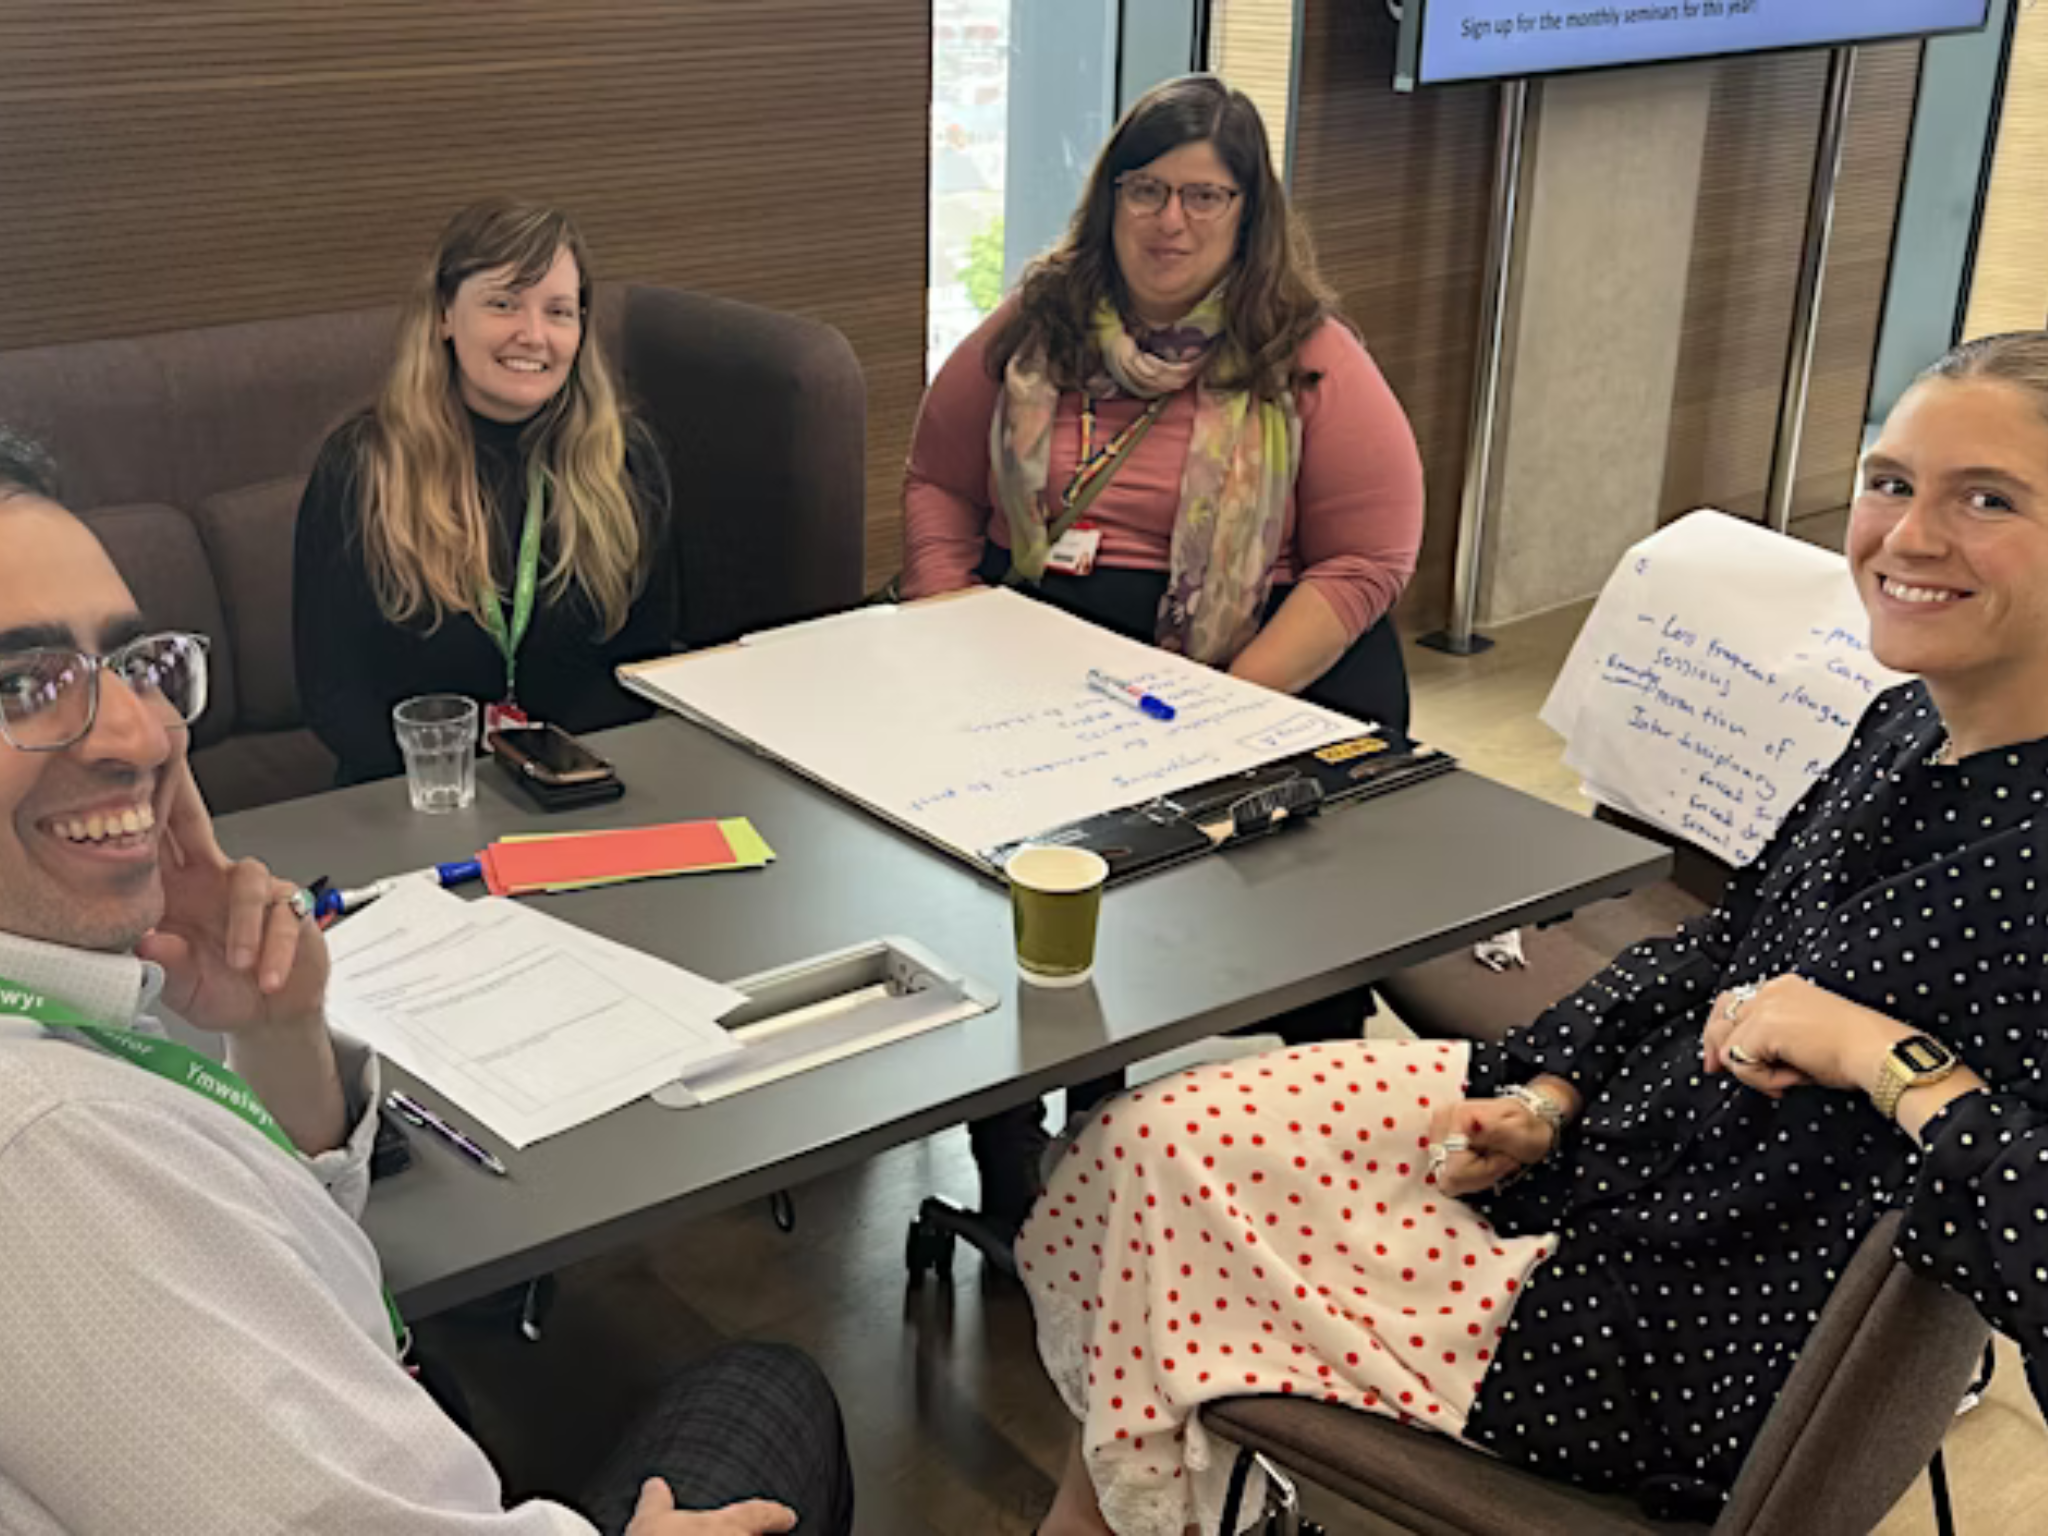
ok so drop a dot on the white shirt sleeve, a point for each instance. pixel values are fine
(191, 1342)
(345, 1172)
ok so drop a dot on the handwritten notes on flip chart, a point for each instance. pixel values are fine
(1719, 675)
(971, 722)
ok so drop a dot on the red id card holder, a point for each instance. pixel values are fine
(506, 715)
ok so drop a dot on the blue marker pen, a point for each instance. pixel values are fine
(340, 903)
(1131, 694)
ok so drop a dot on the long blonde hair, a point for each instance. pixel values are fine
(426, 532)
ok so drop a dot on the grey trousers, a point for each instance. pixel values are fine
(749, 1421)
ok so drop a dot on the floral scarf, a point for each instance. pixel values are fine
(1240, 467)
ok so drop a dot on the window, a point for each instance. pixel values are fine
(1023, 94)
(970, 141)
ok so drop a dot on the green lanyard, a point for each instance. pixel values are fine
(492, 606)
(174, 1063)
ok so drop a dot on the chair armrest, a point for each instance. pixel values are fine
(1866, 1407)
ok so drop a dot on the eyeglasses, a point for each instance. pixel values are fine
(50, 697)
(1199, 200)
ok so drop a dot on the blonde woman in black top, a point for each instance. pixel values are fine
(496, 525)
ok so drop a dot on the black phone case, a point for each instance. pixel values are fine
(562, 797)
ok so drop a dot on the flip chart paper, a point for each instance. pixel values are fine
(970, 721)
(1719, 674)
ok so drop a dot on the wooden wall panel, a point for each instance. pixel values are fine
(181, 165)
(1753, 201)
(1395, 190)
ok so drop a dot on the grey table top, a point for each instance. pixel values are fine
(1194, 951)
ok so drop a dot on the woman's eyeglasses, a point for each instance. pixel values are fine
(50, 697)
(1199, 200)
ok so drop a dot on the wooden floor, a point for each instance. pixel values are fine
(953, 1427)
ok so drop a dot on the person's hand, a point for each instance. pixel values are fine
(1503, 1136)
(656, 1515)
(1789, 1033)
(236, 958)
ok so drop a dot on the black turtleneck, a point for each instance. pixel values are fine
(354, 664)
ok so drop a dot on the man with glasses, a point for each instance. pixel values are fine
(194, 1335)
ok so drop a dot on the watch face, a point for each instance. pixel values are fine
(1923, 1053)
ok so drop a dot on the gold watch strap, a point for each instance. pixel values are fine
(1895, 1079)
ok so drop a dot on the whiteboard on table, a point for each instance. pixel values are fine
(969, 720)
(1720, 673)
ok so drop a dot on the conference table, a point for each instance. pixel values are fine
(1193, 951)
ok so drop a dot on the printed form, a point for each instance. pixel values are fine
(527, 1023)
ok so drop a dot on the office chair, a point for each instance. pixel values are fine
(1863, 1411)
(1454, 997)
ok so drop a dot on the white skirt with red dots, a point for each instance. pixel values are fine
(1267, 1226)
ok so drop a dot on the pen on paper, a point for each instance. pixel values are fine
(414, 1113)
(1131, 694)
(334, 904)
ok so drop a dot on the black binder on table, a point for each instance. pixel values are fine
(1255, 803)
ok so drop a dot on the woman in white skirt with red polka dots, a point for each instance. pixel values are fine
(1708, 1129)
(1272, 1226)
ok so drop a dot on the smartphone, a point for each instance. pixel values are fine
(549, 755)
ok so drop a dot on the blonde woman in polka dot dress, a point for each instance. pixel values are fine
(1597, 1249)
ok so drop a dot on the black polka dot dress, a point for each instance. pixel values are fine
(1701, 1225)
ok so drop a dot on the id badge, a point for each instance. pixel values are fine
(505, 716)
(1074, 554)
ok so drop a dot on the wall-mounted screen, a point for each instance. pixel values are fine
(1450, 40)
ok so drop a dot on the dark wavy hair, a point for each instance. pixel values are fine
(1275, 299)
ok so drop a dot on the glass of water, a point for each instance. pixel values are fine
(438, 735)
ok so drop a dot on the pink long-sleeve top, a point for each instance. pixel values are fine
(1353, 522)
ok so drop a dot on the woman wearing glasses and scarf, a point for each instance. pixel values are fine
(1167, 430)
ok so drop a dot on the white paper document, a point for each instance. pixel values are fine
(528, 1023)
(1721, 672)
(971, 722)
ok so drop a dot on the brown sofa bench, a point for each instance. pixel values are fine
(187, 453)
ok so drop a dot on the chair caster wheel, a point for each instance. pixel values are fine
(928, 1248)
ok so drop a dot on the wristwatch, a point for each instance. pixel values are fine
(1915, 1062)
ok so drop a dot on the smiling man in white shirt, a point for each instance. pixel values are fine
(196, 1336)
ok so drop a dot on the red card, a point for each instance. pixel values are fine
(625, 854)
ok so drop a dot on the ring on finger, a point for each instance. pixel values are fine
(300, 900)
(1737, 998)
(1743, 1058)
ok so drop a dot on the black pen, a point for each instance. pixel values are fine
(412, 1112)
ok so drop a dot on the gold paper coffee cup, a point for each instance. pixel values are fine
(1055, 898)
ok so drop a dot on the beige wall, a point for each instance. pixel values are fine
(1251, 44)
(2010, 289)
(1611, 195)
